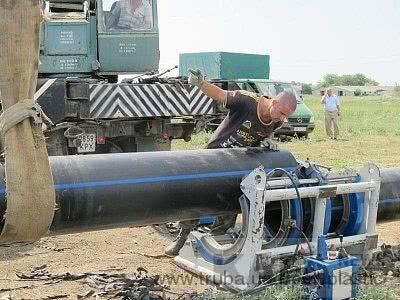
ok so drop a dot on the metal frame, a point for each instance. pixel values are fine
(244, 271)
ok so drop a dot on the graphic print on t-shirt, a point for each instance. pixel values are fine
(241, 127)
(243, 137)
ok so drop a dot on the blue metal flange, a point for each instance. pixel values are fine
(296, 211)
(328, 216)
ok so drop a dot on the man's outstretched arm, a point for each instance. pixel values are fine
(214, 92)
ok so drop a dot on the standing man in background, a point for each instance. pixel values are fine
(332, 113)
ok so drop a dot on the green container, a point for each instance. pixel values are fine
(226, 65)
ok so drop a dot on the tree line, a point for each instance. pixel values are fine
(342, 80)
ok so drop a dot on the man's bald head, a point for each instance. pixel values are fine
(281, 107)
(287, 102)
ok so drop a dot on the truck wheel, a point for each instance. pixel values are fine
(302, 135)
(284, 138)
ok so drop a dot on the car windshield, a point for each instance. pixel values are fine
(128, 15)
(272, 89)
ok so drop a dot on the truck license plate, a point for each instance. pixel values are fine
(88, 143)
(300, 129)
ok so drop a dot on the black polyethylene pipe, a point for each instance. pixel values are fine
(389, 196)
(115, 190)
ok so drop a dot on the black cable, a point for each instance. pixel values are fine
(259, 288)
(290, 177)
(295, 186)
(293, 269)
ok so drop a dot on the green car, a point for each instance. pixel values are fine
(300, 123)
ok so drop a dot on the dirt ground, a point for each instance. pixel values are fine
(389, 232)
(110, 251)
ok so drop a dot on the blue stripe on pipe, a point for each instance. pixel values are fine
(390, 200)
(78, 185)
(337, 208)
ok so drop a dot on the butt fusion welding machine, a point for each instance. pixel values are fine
(292, 220)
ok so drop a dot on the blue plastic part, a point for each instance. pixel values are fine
(328, 216)
(325, 290)
(295, 206)
(322, 248)
(211, 257)
(313, 172)
(207, 220)
(356, 214)
(296, 211)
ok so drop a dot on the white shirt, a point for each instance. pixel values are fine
(140, 19)
(143, 17)
(331, 103)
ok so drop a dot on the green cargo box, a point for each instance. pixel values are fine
(226, 65)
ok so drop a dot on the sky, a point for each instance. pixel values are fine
(305, 39)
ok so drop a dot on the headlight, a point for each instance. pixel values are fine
(312, 119)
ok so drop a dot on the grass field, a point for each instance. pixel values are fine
(369, 131)
(297, 293)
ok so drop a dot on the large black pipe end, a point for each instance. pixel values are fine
(389, 196)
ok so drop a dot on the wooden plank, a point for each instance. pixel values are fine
(29, 184)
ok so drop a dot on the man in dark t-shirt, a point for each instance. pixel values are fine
(251, 118)
(250, 122)
(242, 127)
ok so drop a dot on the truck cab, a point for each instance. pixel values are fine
(84, 46)
(128, 42)
(100, 38)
